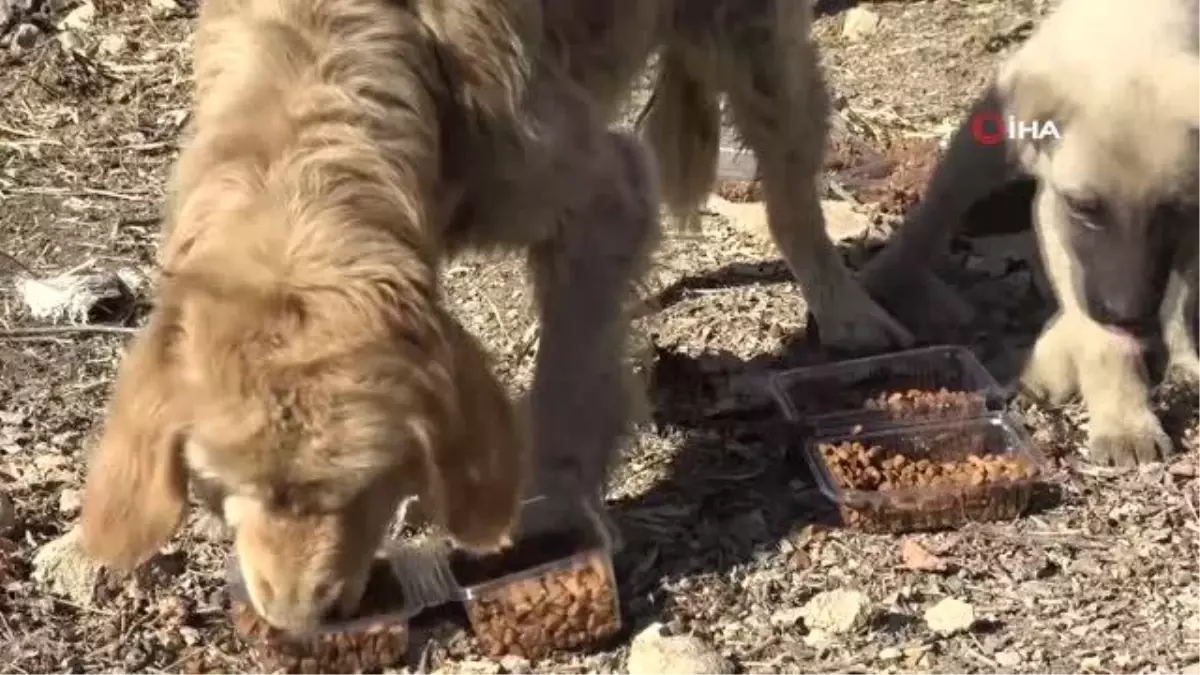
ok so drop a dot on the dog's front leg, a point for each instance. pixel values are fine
(1105, 366)
(1179, 303)
(582, 275)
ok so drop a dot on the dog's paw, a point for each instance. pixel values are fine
(853, 322)
(1050, 374)
(1128, 440)
(1183, 369)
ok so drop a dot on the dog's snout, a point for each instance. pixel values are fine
(295, 607)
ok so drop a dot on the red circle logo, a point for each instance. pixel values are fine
(988, 128)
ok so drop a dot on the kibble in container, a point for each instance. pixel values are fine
(927, 477)
(553, 589)
(402, 585)
(910, 387)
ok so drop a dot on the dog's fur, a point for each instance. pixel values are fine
(1115, 212)
(299, 367)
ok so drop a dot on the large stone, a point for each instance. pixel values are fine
(837, 612)
(654, 653)
(62, 567)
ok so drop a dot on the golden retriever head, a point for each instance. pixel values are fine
(313, 413)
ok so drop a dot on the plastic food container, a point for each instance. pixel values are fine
(911, 387)
(927, 477)
(402, 585)
(554, 589)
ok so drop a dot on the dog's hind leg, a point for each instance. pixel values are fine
(766, 63)
(583, 275)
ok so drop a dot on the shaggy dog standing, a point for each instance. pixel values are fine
(299, 364)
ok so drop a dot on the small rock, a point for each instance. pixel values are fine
(860, 23)
(8, 514)
(25, 37)
(786, 618)
(842, 222)
(950, 616)
(918, 558)
(69, 502)
(512, 663)
(163, 7)
(475, 668)
(113, 45)
(836, 612)
(1191, 669)
(890, 654)
(1090, 663)
(652, 652)
(1008, 659)
(62, 567)
(79, 19)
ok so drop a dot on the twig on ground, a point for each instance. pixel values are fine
(47, 331)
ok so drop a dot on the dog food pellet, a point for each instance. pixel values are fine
(374, 641)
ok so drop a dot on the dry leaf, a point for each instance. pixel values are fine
(917, 557)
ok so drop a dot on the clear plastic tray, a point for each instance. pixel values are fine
(560, 593)
(842, 395)
(973, 493)
(554, 589)
(403, 583)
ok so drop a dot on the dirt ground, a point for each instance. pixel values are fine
(726, 536)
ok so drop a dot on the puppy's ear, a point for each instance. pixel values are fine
(136, 489)
(1031, 92)
(475, 474)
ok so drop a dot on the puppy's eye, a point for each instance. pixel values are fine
(1086, 211)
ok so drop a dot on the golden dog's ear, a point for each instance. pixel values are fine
(136, 489)
(475, 474)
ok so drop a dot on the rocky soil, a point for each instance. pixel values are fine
(732, 562)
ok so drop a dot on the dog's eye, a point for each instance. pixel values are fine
(1087, 212)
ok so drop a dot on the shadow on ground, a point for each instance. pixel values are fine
(735, 492)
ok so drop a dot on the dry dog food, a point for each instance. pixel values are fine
(547, 592)
(923, 404)
(900, 481)
(374, 640)
(896, 401)
(861, 467)
(923, 385)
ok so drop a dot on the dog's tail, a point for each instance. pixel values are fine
(682, 123)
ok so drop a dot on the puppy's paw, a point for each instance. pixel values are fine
(1128, 440)
(1183, 369)
(853, 322)
(1050, 375)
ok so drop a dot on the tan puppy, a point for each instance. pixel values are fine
(1115, 212)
